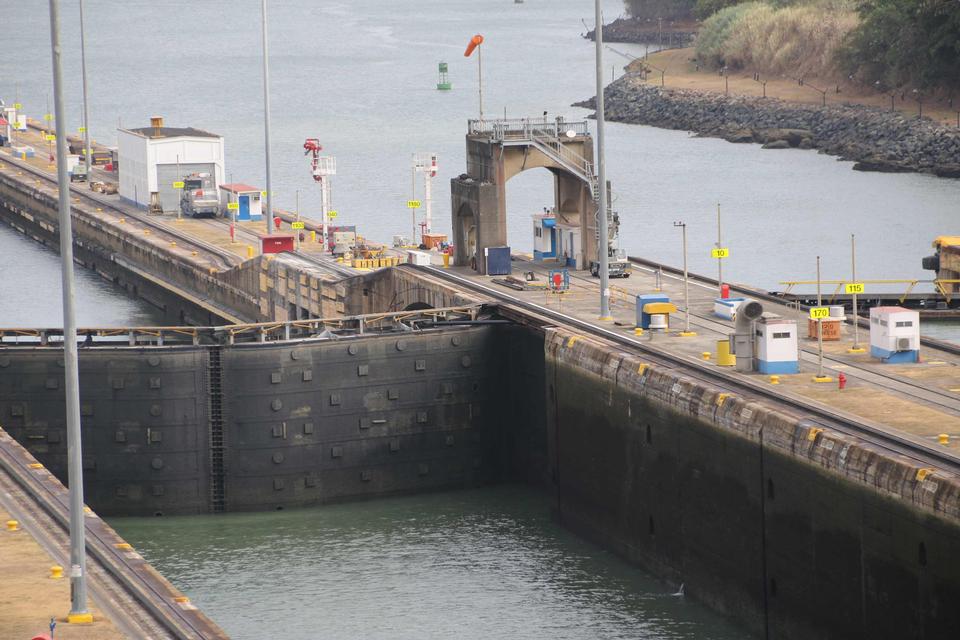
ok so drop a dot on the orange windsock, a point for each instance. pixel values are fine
(475, 42)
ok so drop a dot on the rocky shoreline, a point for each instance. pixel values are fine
(875, 139)
(646, 32)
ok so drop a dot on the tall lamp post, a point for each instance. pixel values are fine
(603, 256)
(86, 112)
(686, 333)
(266, 116)
(78, 559)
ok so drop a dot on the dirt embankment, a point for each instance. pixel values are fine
(863, 129)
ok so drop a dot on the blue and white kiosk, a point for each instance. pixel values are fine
(249, 206)
(554, 241)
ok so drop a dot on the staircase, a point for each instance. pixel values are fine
(215, 399)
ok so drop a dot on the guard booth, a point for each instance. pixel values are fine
(777, 343)
(249, 206)
(895, 334)
(544, 236)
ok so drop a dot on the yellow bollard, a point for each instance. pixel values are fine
(249, 251)
(56, 572)
(774, 379)
(313, 236)
(123, 546)
(122, 220)
(705, 355)
(13, 525)
(943, 439)
(446, 260)
(724, 357)
(638, 331)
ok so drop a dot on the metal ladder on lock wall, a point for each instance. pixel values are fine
(216, 426)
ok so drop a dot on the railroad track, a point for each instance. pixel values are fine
(942, 399)
(138, 602)
(811, 411)
(225, 259)
(759, 294)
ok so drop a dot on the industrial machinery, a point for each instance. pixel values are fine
(617, 264)
(199, 198)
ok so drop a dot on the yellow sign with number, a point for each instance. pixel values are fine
(413, 204)
(853, 287)
(81, 129)
(17, 106)
(50, 137)
(233, 206)
(263, 194)
(296, 225)
(48, 116)
(331, 214)
(720, 253)
(178, 184)
(819, 313)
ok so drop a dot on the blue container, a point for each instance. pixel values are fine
(643, 319)
(498, 261)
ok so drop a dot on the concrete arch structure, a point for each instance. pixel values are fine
(497, 150)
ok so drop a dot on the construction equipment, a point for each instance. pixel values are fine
(617, 264)
(199, 198)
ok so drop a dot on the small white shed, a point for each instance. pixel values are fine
(895, 334)
(776, 344)
(153, 158)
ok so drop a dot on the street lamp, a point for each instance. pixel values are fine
(686, 284)
(78, 557)
(603, 239)
(266, 115)
(86, 113)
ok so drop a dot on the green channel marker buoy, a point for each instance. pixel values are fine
(444, 83)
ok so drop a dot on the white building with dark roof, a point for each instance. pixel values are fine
(152, 159)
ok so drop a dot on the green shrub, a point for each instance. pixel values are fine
(666, 9)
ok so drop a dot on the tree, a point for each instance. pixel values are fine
(654, 9)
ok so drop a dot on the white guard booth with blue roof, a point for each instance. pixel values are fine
(895, 334)
(776, 344)
(544, 236)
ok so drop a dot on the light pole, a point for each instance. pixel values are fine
(266, 116)
(856, 316)
(603, 241)
(297, 232)
(78, 559)
(686, 284)
(820, 377)
(86, 112)
(719, 260)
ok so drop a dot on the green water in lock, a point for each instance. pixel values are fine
(485, 563)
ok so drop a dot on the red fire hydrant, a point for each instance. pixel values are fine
(277, 221)
(842, 381)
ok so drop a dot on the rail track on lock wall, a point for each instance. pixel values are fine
(766, 296)
(223, 258)
(942, 400)
(132, 595)
(814, 413)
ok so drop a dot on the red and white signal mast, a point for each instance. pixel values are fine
(322, 167)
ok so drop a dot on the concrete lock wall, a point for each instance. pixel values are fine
(259, 426)
(794, 531)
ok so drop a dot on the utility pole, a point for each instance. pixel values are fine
(266, 116)
(603, 256)
(686, 284)
(856, 316)
(297, 232)
(86, 112)
(78, 559)
(719, 260)
(819, 326)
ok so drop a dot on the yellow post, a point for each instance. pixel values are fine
(724, 357)
(249, 251)
(446, 260)
(313, 236)
(56, 572)
(12, 525)
(943, 439)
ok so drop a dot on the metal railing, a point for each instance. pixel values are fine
(315, 328)
(521, 128)
(942, 285)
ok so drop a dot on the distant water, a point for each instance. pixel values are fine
(476, 564)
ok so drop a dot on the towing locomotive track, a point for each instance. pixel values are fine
(814, 412)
